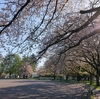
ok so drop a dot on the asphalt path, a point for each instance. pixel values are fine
(36, 89)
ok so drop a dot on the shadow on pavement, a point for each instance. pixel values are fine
(36, 90)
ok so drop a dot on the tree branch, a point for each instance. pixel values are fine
(96, 31)
(74, 31)
(15, 16)
(90, 10)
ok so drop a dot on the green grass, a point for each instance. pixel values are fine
(92, 85)
(92, 96)
(71, 81)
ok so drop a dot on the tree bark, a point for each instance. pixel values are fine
(91, 78)
(78, 77)
(9, 75)
(54, 76)
(97, 80)
(67, 77)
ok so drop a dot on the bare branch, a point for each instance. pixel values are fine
(90, 10)
(15, 16)
(74, 31)
(96, 31)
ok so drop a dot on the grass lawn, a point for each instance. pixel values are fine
(92, 97)
(93, 84)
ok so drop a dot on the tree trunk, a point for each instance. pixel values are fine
(97, 80)
(24, 76)
(67, 77)
(88, 78)
(60, 78)
(54, 76)
(15, 76)
(91, 79)
(9, 75)
(78, 77)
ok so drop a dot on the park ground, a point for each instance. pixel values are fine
(36, 89)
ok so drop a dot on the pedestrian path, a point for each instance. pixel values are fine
(38, 89)
(96, 93)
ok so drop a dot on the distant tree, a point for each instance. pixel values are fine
(54, 66)
(41, 71)
(1, 58)
(88, 53)
(19, 18)
(91, 54)
(26, 70)
(28, 65)
(31, 60)
(11, 63)
(1, 66)
(1, 69)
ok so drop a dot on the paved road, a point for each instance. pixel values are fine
(34, 89)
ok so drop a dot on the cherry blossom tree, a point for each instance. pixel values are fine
(27, 23)
(26, 70)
